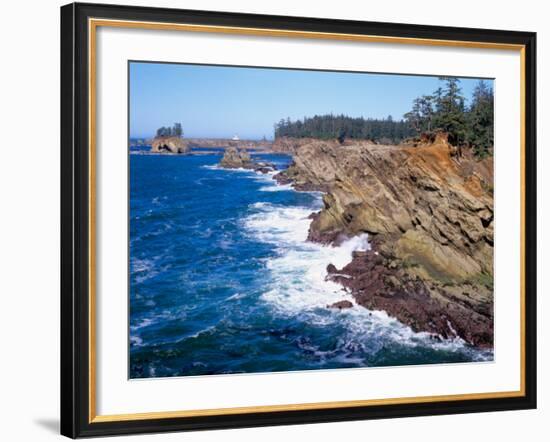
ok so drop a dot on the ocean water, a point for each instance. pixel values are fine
(222, 280)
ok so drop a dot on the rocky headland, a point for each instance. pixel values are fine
(428, 210)
(234, 158)
(173, 144)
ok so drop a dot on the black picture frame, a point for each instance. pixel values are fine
(75, 220)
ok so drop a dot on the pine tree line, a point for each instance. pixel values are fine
(341, 126)
(174, 131)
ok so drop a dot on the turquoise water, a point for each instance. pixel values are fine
(222, 280)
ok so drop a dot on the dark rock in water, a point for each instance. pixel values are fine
(282, 178)
(341, 304)
(234, 158)
(331, 268)
(264, 167)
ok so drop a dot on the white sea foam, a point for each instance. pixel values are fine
(298, 272)
(141, 265)
(276, 188)
(195, 335)
(136, 341)
(236, 296)
(143, 269)
(218, 167)
(161, 317)
(298, 285)
(145, 322)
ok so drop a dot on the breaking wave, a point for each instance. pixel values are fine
(298, 287)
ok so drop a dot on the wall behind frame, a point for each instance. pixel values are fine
(29, 225)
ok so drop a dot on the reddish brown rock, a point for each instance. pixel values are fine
(429, 215)
(415, 302)
(341, 305)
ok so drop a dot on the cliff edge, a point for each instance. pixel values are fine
(429, 216)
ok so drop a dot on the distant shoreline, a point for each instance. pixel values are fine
(197, 153)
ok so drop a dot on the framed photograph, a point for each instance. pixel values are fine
(274, 220)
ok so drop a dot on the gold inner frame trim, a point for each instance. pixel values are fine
(93, 24)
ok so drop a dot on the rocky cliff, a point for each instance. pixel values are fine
(289, 145)
(429, 216)
(169, 145)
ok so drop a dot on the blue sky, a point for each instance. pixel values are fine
(219, 102)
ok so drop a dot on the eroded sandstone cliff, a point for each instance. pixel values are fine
(290, 145)
(429, 214)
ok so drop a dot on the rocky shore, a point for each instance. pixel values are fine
(429, 216)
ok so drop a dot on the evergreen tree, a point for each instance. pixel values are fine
(421, 116)
(175, 131)
(481, 119)
(445, 110)
(178, 131)
(450, 114)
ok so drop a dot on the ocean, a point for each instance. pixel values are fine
(222, 280)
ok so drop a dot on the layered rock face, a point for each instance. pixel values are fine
(290, 145)
(429, 214)
(169, 145)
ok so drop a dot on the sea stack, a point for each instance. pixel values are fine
(170, 144)
(233, 158)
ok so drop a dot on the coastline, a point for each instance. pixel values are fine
(379, 280)
(202, 151)
(252, 278)
(367, 259)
